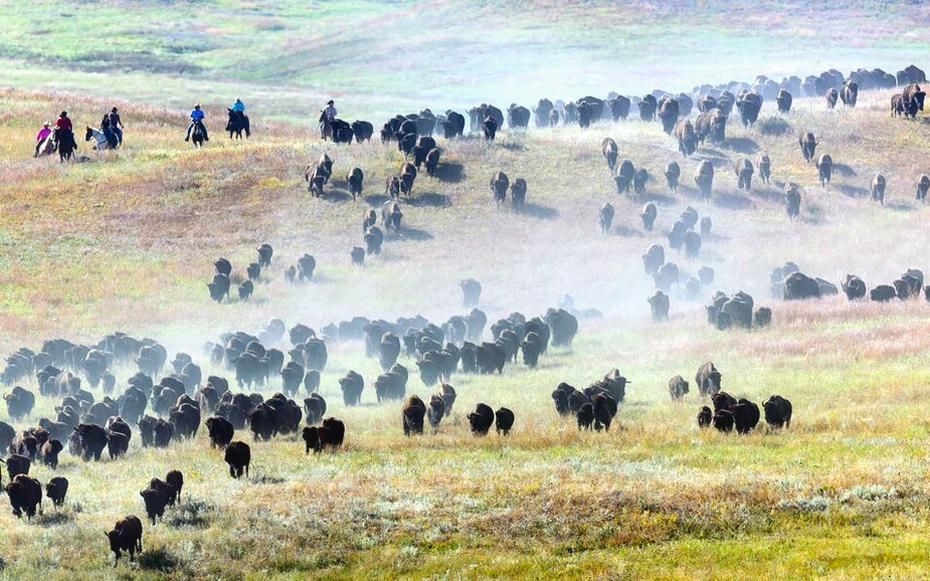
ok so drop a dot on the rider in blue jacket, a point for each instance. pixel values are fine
(197, 116)
(238, 107)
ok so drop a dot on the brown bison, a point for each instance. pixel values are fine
(923, 185)
(808, 145)
(609, 150)
(784, 101)
(878, 189)
(499, 184)
(744, 171)
(126, 536)
(672, 175)
(238, 456)
(687, 139)
(765, 167)
(606, 218)
(668, 113)
(825, 169)
(711, 126)
(792, 200)
(704, 178)
(849, 94)
(832, 96)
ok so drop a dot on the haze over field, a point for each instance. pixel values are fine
(126, 239)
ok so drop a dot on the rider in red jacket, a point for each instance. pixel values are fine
(64, 122)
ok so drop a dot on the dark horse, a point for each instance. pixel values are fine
(237, 123)
(197, 134)
(65, 143)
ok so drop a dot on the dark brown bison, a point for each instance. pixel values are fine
(792, 200)
(711, 126)
(882, 293)
(765, 167)
(849, 94)
(749, 106)
(413, 413)
(503, 421)
(705, 417)
(392, 187)
(499, 184)
(543, 110)
(490, 126)
(606, 218)
(432, 161)
(363, 130)
(704, 178)
(672, 175)
(913, 100)
(407, 176)
(923, 185)
(808, 146)
(659, 305)
(25, 495)
(744, 171)
(653, 259)
(238, 456)
(518, 193)
(854, 287)
(619, 107)
(639, 181)
(668, 113)
(624, 178)
(708, 379)
(687, 138)
(648, 216)
(777, 412)
(518, 116)
(678, 387)
(126, 536)
(784, 101)
(799, 286)
(878, 189)
(825, 169)
(832, 96)
(56, 490)
(647, 108)
(220, 431)
(355, 179)
(609, 150)
(481, 419)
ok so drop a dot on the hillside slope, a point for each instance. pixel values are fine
(139, 228)
(286, 58)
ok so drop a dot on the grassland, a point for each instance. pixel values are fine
(125, 241)
(286, 57)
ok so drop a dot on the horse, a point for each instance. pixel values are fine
(47, 146)
(64, 141)
(100, 139)
(237, 123)
(326, 129)
(197, 135)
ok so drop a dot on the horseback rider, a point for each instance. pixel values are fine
(41, 136)
(197, 116)
(238, 107)
(64, 130)
(330, 112)
(116, 125)
(107, 132)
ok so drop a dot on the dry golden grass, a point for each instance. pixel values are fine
(127, 241)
